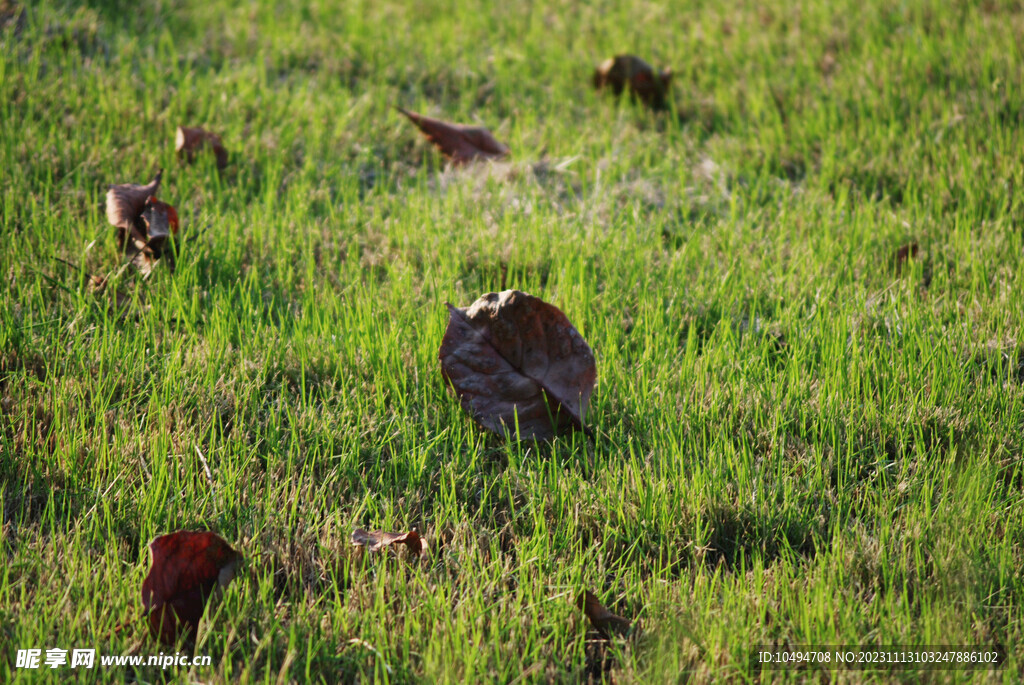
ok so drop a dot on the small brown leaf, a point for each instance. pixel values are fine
(603, 620)
(97, 285)
(125, 202)
(908, 251)
(458, 142)
(186, 568)
(189, 142)
(515, 360)
(629, 71)
(377, 540)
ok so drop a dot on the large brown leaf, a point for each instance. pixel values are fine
(629, 71)
(126, 201)
(604, 621)
(186, 568)
(458, 142)
(144, 224)
(515, 360)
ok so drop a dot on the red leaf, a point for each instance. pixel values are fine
(186, 568)
(514, 359)
(377, 540)
(458, 142)
(603, 620)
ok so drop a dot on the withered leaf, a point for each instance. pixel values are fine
(189, 142)
(458, 142)
(375, 541)
(515, 360)
(187, 566)
(908, 251)
(126, 201)
(604, 621)
(144, 224)
(148, 239)
(161, 220)
(630, 72)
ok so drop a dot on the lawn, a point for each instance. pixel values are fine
(798, 439)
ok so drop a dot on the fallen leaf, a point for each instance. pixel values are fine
(186, 568)
(145, 245)
(144, 223)
(515, 360)
(908, 251)
(629, 71)
(603, 620)
(161, 220)
(458, 142)
(189, 142)
(126, 201)
(375, 541)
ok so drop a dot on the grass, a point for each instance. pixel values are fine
(798, 442)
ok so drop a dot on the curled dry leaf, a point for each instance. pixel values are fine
(161, 220)
(126, 201)
(515, 360)
(148, 239)
(629, 71)
(376, 540)
(189, 142)
(604, 621)
(144, 223)
(458, 142)
(187, 567)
